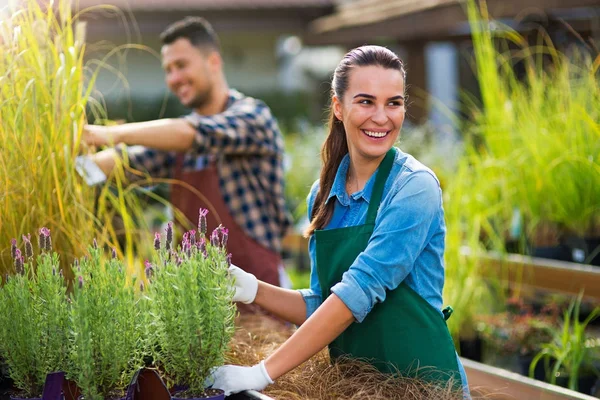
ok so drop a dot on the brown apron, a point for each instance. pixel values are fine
(246, 253)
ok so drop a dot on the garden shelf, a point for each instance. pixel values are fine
(543, 273)
(499, 384)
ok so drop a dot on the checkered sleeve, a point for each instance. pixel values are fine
(247, 127)
(142, 162)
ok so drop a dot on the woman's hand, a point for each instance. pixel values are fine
(245, 284)
(234, 379)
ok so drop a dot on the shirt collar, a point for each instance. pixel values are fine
(338, 189)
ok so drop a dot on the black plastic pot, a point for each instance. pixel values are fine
(585, 384)
(539, 372)
(216, 394)
(471, 348)
(249, 395)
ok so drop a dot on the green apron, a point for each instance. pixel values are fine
(402, 334)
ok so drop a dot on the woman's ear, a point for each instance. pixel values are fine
(337, 107)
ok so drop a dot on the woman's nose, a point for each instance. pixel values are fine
(379, 116)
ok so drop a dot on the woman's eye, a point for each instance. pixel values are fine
(364, 101)
(395, 103)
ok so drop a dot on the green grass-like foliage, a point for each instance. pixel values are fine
(34, 321)
(191, 306)
(43, 99)
(572, 352)
(45, 86)
(106, 326)
(535, 138)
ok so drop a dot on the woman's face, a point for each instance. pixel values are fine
(372, 111)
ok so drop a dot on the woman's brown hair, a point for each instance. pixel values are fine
(336, 147)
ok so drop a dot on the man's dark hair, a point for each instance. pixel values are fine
(196, 29)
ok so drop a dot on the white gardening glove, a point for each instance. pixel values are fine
(245, 284)
(233, 379)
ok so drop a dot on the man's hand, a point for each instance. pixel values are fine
(234, 379)
(246, 285)
(98, 135)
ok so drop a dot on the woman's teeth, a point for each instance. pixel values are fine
(376, 134)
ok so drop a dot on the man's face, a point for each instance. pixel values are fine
(188, 72)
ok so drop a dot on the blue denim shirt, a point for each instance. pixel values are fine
(411, 216)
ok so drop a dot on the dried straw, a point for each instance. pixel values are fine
(257, 336)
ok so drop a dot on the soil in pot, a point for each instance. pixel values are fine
(209, 394)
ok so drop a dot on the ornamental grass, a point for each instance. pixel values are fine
(45, 93)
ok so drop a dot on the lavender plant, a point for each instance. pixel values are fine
(106, 326)
(192, 305)
(34, 316)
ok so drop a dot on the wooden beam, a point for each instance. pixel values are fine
(542, 273)
(405, 20)
(499, 384)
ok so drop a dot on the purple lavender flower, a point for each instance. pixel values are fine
(201, 245)
(76, 264)
(80, 282)
(149, 270)
(219, 236)
(169, 236)
(224, 237)
(13, 248)
(53, 271)
(114, 253)
(214, 238)
(141, 286)
(229, 259)
(28, 246)
(94, 243)
(178, 261)
(192, 237)
(48, 247)
(19, 262)
(202, 224)
(157, 241)
(44, 233)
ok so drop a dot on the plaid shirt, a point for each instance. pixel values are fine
(247, 146)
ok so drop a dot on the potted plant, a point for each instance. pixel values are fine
(191, 297)
(518, 136)
(106, 341)
(520, 332)
(34, 317)
(571, 354)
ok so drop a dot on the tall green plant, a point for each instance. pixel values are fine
(536, 137)
(34, 316)
(45, 86)
(572, 352)
(191, 297)
(105, 326)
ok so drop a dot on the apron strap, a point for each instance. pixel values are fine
(382, 175)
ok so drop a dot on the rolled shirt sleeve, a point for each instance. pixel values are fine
(247, 127)
(403, 228)
(312, 297)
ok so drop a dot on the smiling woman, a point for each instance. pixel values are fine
(376, 242)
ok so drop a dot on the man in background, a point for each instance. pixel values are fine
(227, 154)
